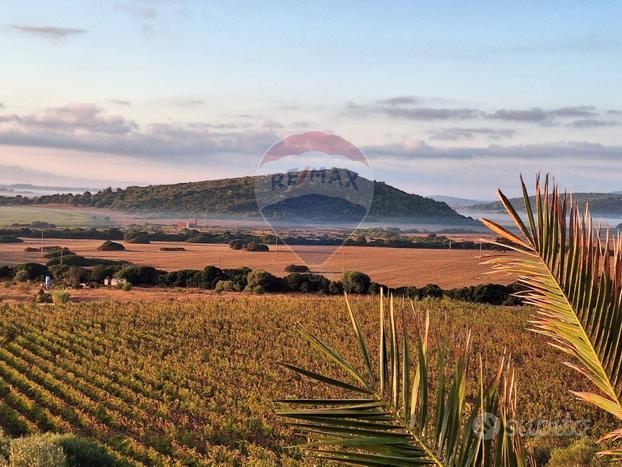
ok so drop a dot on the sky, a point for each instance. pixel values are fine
(452, 98)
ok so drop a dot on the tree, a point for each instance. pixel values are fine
(355, 282)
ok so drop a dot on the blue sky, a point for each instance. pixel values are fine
(444, 97)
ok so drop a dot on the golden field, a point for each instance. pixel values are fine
(391, 266)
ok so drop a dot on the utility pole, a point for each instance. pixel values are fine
(276, 243)
(42, 244)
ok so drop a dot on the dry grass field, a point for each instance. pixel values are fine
(391, 266)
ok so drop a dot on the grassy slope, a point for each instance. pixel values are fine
(195, 381)
(61, 217)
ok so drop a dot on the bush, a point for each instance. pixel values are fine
(261, 278)
(43, 297)
(138, 275)
(254, 246)
(375, 288)
(111, 246)
(60, 296)
(580, 452)
(431, 291)
(225, 286)
(335, 288)
(21, 276)
(6, 272)
(306, 283)
(34, 271)
(36, 451)
(170, 248)
(296, 268)
(236, 244)
(127, 287)
(10, 239)
(137, 237)
(355, 282)
(56, 251)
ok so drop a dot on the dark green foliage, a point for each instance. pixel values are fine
(56, 251)
(296, 268)
(111, 246)
(82, 452)
(137, 237)
(375, 288)
(6, 272)
(34, 271)
(254, 246)
(306, 283)
(10, 239)
(335, 288)
(236, 244)
(138, 275)
(431, 291)
(236, 196)
(263, 279)
(355, 282)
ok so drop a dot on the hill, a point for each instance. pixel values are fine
(455, 202)
(604, 204)
(235, 197)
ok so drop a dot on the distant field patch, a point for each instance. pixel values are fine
(61, 217)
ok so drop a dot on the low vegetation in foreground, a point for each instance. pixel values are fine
(194, 383)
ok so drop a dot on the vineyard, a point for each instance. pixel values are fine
(194, 383)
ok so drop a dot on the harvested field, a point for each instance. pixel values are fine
(391, 266)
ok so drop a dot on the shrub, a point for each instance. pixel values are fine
(21, 276)
(306, 283)
(6, 272)
(10, 239)
(43, 297)
(261, 278)
(355, 282)
(335, 288)
(138, 275)
(431, 291)
(56, 251)
(580, 452)
(225, 286)
(35, 271)
(127, 287)
(254, 246)
(137, 237)
(36, 451)
(60, 296)
(111, 246)
(375, 288)
(236, 244)
(170, 248)
(296, 268)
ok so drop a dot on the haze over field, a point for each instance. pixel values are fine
(443, 99)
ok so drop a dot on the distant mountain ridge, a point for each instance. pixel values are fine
(236, 197)
(604, 204)
(456, 202)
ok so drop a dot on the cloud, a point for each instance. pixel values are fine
(411, 108)
(420, 150)
(428, 113)
(50, 32)
(400, 100)
(189, 102)
(86, 127)
(119, 102)
(456, 134)
(532, 115)
(141, 12)
(592, 123)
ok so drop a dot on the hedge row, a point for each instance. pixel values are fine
(248, 280)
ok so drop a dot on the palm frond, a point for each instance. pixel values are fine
(573, 275)
(389, 422)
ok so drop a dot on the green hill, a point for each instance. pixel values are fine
(236, 197)
(605, 204)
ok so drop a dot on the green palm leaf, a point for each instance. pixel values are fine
(393, 425)
(573, 275)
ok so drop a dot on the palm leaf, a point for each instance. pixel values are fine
(391, 423)
(573, 275)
